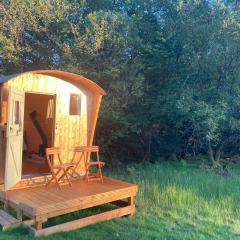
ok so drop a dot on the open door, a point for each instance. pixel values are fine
(13, 166)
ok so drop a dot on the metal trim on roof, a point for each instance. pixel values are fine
(7, 78)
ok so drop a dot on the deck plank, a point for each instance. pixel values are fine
(50, 201)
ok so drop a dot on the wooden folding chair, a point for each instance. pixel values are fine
(53, 154)
(85, 155)
(78, 157)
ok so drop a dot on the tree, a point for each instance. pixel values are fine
(170, 68)
(32, 34)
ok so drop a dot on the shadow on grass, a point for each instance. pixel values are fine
(139, 227)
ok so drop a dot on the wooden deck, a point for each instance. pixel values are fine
(41, 203)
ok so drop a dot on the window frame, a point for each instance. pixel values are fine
(75, 110)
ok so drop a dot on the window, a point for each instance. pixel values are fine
(75, 104)
(17, 112)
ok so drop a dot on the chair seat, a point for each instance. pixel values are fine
(96, 163)
(63, 166)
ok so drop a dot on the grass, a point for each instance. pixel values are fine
(175, 201)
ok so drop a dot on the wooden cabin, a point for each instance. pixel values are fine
(41, 109)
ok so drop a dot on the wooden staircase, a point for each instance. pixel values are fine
(7, 221)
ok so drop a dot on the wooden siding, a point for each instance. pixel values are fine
(2, 152)
(69, 130)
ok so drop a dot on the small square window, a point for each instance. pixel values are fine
(75, 104)
(17, 113)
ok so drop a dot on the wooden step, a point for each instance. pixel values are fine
(7, 221)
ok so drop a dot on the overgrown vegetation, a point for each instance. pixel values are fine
(171, 68)
(175, 201)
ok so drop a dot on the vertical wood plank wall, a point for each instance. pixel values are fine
(3, 131)
(69, 130)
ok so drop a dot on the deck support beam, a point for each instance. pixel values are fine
(38, 225)
(131, 203)
(19, 214)
(5, 206)
(80, 223)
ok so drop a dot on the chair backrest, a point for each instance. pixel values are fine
(87, 150)
(52, 154)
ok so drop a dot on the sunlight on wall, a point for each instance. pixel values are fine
(65, 98)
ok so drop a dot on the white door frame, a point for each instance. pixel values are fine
(14, 137)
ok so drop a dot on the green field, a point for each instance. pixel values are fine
(175, 201)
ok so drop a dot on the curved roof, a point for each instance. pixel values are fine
(66, 76)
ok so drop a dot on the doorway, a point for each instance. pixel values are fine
(38, 133)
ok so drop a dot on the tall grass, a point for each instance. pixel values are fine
(188, 191)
